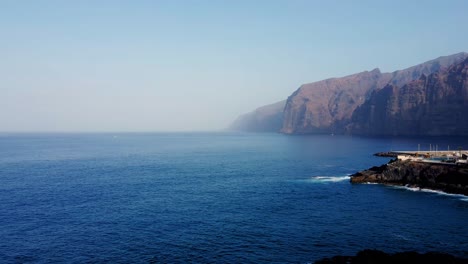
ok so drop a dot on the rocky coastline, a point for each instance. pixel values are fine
(449, 178)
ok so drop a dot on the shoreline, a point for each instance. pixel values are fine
(443, 178)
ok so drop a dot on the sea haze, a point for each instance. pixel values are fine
(213, 197)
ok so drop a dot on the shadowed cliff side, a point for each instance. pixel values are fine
(322, 106)
(327, 106)
(432, 105)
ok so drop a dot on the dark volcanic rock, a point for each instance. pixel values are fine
(379, 257)
(443, 177)
(432, 105)
(386, 154)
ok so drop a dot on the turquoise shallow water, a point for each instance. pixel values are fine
(212, 197)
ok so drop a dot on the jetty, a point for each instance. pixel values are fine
(449, 157)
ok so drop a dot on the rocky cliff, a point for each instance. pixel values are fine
(324, 106)
(447, 178)
(267, 118)
(327, 106)
(436, 104)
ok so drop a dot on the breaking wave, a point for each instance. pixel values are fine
(417, 189)
(329, 178)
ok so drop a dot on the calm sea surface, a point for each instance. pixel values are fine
(212, 197)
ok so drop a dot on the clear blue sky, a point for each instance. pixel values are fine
(196, 65)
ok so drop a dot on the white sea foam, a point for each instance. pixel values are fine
(417, 189)
(329, 178)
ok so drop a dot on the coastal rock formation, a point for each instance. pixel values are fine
(322, 107)
(267, 118)
(447, 178)
(327, 106)
(378, 257)
(432, 105)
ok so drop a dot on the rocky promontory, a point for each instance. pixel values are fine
(449, 178)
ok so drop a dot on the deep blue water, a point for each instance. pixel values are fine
(212, 197)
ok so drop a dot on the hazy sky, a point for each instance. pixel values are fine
(196, 65)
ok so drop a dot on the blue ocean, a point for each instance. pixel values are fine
(213, 198)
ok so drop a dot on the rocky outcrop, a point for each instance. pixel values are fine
(432, 105)
(447, 178)
(267, 118)
(327, 106)
(378, 257)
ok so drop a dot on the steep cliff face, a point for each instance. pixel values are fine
(322, 107)
(267, 118)
(432, 105)
(327, 106)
